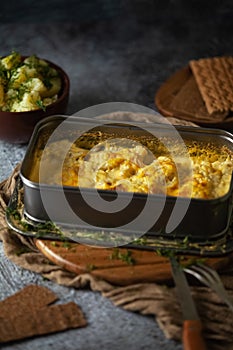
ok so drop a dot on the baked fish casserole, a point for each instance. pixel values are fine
(145, 165)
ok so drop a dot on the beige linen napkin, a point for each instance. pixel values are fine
(145, 298)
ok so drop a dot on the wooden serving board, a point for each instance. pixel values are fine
(119, 266)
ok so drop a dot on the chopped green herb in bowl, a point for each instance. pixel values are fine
(31, 88)
(27, 83)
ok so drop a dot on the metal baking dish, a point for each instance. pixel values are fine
(203, 220)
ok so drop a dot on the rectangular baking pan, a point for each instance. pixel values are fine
(203, 220)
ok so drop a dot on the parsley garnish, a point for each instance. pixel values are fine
(126, 257)
(41, 105)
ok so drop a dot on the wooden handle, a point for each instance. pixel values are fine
(192, 335)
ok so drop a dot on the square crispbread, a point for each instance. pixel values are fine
(51, 319)
(28, 298)
(189, 103)
(29, 312)
(214, 77)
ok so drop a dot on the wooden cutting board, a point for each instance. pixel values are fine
(120, 266)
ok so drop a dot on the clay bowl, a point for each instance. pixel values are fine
(17, 127)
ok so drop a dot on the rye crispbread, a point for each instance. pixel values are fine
(214, 77)
(28, 313)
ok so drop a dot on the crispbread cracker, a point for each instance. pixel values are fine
(30, 297)
(46, 320)
(189, 103)
(214, 77)
(28, 313)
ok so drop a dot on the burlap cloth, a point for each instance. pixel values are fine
(145, 298)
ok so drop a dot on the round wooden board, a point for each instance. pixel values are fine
(168, 91)
(114, 264)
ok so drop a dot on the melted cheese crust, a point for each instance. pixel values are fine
(132, 167)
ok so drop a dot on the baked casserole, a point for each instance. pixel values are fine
(145, 165)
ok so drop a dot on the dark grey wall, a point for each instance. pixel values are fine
(117, 50)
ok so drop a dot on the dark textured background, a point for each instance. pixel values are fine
(112, 51)
(117, 50)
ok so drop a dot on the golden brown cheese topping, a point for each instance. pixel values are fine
(130, 166)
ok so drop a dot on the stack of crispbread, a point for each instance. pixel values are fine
(202, 92)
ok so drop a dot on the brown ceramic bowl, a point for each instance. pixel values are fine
(17, 127)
